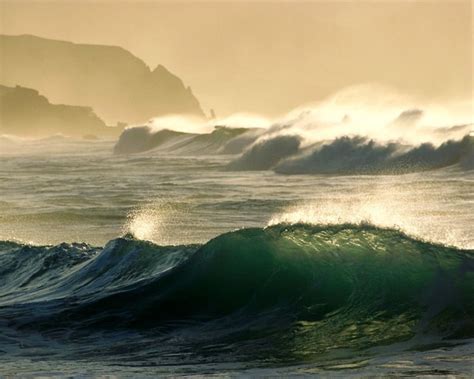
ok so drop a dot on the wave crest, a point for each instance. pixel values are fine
(330, 275)
(359, 155)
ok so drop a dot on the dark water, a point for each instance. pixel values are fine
(174, 266)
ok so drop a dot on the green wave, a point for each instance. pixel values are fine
(298, 289)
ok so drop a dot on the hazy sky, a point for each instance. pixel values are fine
(269, 57)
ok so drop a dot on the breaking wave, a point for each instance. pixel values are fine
(221, 140)
(362, 129)
(266, 154)
(319, 287)
(360, 155)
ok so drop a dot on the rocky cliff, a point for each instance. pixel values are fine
(115, 83)
(26, 113)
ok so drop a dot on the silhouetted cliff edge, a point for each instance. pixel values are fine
(26, 113)
(115, 83)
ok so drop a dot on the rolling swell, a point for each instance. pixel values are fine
(332, 286)
(266, 154)
(222, 140)
(358, 155)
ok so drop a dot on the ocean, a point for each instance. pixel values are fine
(149, 264)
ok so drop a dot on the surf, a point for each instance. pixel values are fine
(361, 284)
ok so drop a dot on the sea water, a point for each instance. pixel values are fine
(159, 264)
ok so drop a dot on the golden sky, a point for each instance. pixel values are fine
(269, 57)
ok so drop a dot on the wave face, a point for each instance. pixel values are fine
(143, 138)
(348, 155)
(286, 292)
(222, 140)
(266, 154)
(352, 132)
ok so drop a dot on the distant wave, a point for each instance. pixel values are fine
(266, 154)
(239, 144)
(312, 141)
(360, 155)
(222, 140)
(143, 138)
(353, 132)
